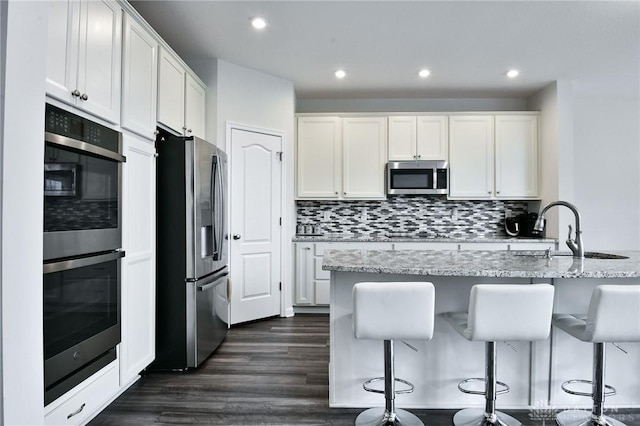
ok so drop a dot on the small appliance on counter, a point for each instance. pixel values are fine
(522, 225)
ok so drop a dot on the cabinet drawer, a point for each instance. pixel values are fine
(322, 292)
(319, 274)
(425, 246)
(88, 397)
(484, 246)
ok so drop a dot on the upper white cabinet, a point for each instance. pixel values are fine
(84, 55)
(517, 156)
(493, 157)
(364, 157)
(181, 98)
(341, 158)
(319, 157)
(139, 79)
(418, 138)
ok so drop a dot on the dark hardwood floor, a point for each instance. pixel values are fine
(270, 372)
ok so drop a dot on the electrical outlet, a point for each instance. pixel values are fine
(454, 213)
(364, 215)
(327, 216)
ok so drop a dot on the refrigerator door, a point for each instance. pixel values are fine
(202, 201)
(205, 329)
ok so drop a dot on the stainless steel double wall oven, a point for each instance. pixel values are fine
(82, 248)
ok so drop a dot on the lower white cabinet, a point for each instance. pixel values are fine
(137, 349)
(86, 400)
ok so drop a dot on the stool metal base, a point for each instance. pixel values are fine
(380, 417)
(476, 417)
(584, 418)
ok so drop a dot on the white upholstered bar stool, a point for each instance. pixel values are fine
(387, 311)
(613, 316)
(500, 312)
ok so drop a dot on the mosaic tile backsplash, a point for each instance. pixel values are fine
(433, 216)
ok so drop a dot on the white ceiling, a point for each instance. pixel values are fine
(468, 45)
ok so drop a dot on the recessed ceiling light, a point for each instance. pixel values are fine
(340, 74)
(258, 23)
(424, 73)
(513, 73)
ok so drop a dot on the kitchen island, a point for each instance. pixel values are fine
(533, 370)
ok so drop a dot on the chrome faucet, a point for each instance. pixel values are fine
(576, 244)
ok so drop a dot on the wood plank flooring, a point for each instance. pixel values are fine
(270, 372)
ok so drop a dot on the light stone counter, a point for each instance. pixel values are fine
(360, 238)
(508, 264)
(533, 370)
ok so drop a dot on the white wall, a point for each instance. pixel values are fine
(256, 99)
(607, 160)
(410, 105)
(22, 204)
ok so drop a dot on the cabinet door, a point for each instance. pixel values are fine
(137, 349)
(62, 49)
(432, 138)
(319, 157)
(471, 166)
(140, 79)
(516, 156)
(364, 157)
(304, 273)
(99, 58)
(484, 246)
(171, 86)
(194, 108)
(402, 138)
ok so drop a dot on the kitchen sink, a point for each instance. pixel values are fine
(587, 254)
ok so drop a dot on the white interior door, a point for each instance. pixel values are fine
(255, 247)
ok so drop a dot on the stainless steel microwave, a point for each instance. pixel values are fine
(417, 177)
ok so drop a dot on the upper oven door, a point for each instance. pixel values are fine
(82, 188)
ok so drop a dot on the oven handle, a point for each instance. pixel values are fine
(49, 268)
(64, 141)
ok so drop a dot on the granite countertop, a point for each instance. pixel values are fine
(511, 264)
(361, 238)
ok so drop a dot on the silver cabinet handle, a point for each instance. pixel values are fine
(236, 236)
(84, 97)
(488, 192)
(307, 248)
(419, 156)
(184, 128)
(336, 192)
(78, 411)
(189, 130)
(75, 93)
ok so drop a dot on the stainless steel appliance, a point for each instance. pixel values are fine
(82, 248)
(82, 181)
(192, 250)
(417, 177)
(81, 321)
(522, 225)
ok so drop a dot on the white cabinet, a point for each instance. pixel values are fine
(435, 245)
(86, 400)
(311, 281)
(139, 79)
(364, 157)
(418, 138)
(516, 156)
(137, 349)
(319, 157)
(493, 157)
(181, 97)
(84, 47)
(489, 246)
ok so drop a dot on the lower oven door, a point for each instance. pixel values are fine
(81, 318)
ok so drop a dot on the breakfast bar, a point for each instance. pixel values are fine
(533, 370)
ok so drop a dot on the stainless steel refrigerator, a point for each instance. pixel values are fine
(192, 251)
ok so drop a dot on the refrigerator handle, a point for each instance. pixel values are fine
(220, 209)
(214, 207)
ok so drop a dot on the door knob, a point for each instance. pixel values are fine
(236, 236)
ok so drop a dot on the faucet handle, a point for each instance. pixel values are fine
(570, 231)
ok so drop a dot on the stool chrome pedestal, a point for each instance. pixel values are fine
(499, 312)
(387, 311)
(614, 316)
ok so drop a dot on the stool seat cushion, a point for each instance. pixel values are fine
(613, 316)
(393, 310)
(505, 312)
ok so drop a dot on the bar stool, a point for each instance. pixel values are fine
(388, 311)
(500, 312)
(613, 316)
